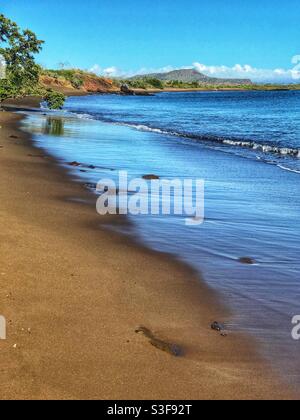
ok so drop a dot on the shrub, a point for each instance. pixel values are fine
(155, 83)
(55, 100)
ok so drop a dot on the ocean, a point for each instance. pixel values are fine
(246, 147)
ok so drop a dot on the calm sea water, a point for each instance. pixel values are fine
(245, 145)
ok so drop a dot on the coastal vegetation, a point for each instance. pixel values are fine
(18, 49)
(55, 100)
(143, 83)
(152, 83)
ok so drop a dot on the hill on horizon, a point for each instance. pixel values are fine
(191, 76)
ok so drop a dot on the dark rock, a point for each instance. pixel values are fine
(74, 163)
(150, 177)
(125, 89)
(216, 326)
(246, 260)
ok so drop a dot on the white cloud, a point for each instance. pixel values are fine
(255, 74)
(95, 69)
(238, 71)
(111, 71)
(296, 59)
(108, 71)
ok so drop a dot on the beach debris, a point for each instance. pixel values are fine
(15, 346)
(77, 164)
(247, 260)
(150, 177)
(13, 137)
(170, 348)
(87, 166)
(74, 163)
(216, 326)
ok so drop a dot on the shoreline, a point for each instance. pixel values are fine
(229, 89)
(82, 341)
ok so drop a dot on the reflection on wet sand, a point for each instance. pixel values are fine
(54, 126)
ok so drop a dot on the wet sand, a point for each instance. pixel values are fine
(93, 316)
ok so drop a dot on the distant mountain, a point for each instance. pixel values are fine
(192, 75)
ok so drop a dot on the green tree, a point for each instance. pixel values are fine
(55, 100)
(155, 83)
(18, 48)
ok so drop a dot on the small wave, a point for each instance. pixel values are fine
(296, 171)
(252, 145)
(83, 116)
(283, 151)
(141, 127)
(265, 148)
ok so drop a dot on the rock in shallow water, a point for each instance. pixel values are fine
(125, 89)
(150, 177)
(246, 260)
(216, 326)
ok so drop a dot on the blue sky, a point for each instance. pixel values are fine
(131, 35)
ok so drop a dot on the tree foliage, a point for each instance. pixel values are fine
(144, 83)
(55, 100)
(18, 48)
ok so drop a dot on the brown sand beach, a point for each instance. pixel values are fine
(90, 315)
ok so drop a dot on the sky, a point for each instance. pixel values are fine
(257, 39)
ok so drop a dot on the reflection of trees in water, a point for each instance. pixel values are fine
(54, 126)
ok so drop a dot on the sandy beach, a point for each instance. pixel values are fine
(74, 295)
